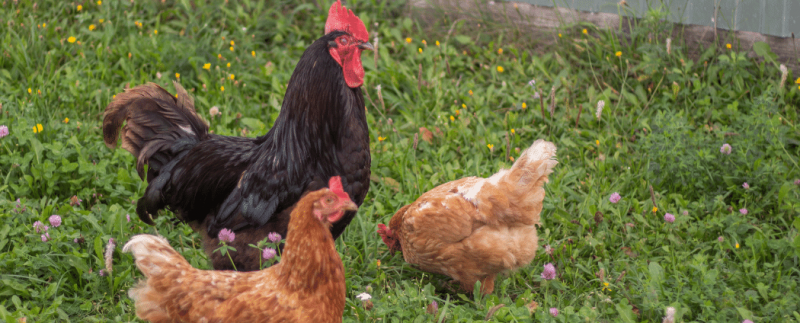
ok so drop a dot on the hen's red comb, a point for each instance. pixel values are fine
(335, 185)
(341, 19)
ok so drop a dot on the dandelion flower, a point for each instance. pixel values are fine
(155, 31)
(274, 237)
(553, 310)
(513, 131)
(232, 43)
(92, 27)
(408, 40)
(232, 77)
(420, 49)
(253, 53)
(437, 43)
(797, 81)
(655, 209)
(585, 31)
(381, 138)
(222, 88)
(470, 92)
(71, 39)
(452, 118)
(177, 75)
(725, 149)
(3, 131)
(55, 220)
(99, 2)
(614, 198)
(80, 7)
(669, 217)
(207, 66)
(66, 120)
(746, 186)
(30, 91)
(737, 245)
(559, 35)
(500, 69)
(618, 54)
(549, 272)
(728, 46)
(268, 253)
(226, 235)
(228, 65)
(500, 51)
(364, 296)
(743, 211)
(597, 142)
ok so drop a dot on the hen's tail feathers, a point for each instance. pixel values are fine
(159, 129)
(156, 122)
(155, 258)
(524, 182)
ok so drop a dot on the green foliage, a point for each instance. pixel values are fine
(439, 109)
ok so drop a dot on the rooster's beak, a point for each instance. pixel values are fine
(366, 46)
(350, 206)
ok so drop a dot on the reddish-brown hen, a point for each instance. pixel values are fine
(474, 228)
(306, 286)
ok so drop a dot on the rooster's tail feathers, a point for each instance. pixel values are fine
(153, 254)
(156, 122)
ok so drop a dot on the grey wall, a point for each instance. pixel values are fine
(770, 17)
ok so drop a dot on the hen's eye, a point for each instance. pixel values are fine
(328, 200)
(343, 41)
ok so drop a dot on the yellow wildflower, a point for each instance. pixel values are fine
(232, 43)
(38, 128)
(232, 77)
(500, 69)
(559, 35)
(737, 245)
(452, 118)
(99, 3)
(92, 27)
(511, 158)
(44, 25)
(207, 66)
(80, 7)
(797, 81)
(101, 20)
(597, 142)
(437, 43)
(71, 39)
(524, 105)
(458, 112)
(491, 147)
(655, 209)
(219, 56)
(222, 88)
(408, 40)
(381, 138)
(420, 49)
(66, 120)
(605, 286)
(378, 263)
(231, 48)
(229, 64)
(253, 53)
(155, 31)
(29, 91)
(513, 131)
(728, 46)
(463, 105)
(618, 54)
(470, 92)
(177, 75)
(424, 42)
(114, 96)
(585, 31)
(500, 51)
(38, 91)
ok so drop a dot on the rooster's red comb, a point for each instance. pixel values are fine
(335, 185)
(341, 19)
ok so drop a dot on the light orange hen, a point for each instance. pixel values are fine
(306, 286)
(475, 228)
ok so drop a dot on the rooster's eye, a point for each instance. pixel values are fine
(343, 41)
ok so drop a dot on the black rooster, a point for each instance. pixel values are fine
(250, 185)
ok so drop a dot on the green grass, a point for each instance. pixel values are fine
(666, 116)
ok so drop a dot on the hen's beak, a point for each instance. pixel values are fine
(366, 46)
(350, 206)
